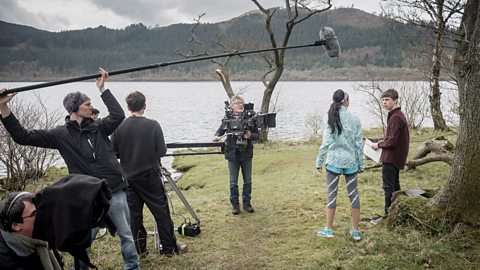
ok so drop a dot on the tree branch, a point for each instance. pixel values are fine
(414, 163)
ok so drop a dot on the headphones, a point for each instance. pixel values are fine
(7, 214)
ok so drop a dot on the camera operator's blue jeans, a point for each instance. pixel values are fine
(234, 167)
(119, 214)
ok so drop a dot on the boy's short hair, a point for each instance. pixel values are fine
(391, 93)
(135, 101)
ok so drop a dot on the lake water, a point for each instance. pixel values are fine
(191, 111)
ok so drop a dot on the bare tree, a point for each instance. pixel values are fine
(25, 164)
(222, 63)
(459, 199)
(374, 103)
(412, 99)
(314, 123)
(297, 12)
(436, 15)
(413, 102)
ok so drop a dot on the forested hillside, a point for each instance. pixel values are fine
(367, 40)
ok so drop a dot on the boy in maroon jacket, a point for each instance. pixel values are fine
(394, 146)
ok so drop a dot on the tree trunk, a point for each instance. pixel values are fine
(225, 78)
(435, 94)
(267, 97)
(460, 198)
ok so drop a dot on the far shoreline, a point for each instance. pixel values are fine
(207, 74)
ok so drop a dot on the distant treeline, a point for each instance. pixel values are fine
(366, 40)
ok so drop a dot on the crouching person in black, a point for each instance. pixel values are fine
(240, 131)
(59, 217)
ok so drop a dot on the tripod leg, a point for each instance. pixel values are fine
(156, 242)
(167, 175)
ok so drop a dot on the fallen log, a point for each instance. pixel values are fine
(442, 149)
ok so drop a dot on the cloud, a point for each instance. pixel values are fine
(149, 12)
(57, 15)
(164, 12)
(10, 11)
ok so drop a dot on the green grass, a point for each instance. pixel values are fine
(289, 199)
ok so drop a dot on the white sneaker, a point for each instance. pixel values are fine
(377, 221)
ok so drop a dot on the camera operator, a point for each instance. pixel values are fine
(239, 151)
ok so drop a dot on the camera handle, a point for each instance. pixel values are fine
(226, 134)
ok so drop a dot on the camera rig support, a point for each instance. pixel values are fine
(190, 146)
(168, 177)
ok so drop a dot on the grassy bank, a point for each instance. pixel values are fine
(289, 199)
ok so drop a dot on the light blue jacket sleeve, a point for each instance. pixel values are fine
(327, 141)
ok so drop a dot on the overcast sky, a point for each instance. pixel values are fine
(57, 15)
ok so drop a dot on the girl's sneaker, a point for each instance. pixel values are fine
(356, 235)
(327, 233)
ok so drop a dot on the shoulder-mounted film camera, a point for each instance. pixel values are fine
(249, 120)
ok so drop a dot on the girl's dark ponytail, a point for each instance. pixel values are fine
(334, 112)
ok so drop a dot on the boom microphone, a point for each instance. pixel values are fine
(329, 41)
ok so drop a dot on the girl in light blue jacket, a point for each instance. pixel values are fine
(342, 143)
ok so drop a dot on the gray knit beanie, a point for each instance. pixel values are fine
(73, 100)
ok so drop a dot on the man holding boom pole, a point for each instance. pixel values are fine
(86, 149)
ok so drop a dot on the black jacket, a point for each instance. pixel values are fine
(232, 151)
(68, 210)
(86, 149)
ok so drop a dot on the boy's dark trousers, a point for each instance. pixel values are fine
(149, 189)
(391, 183)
